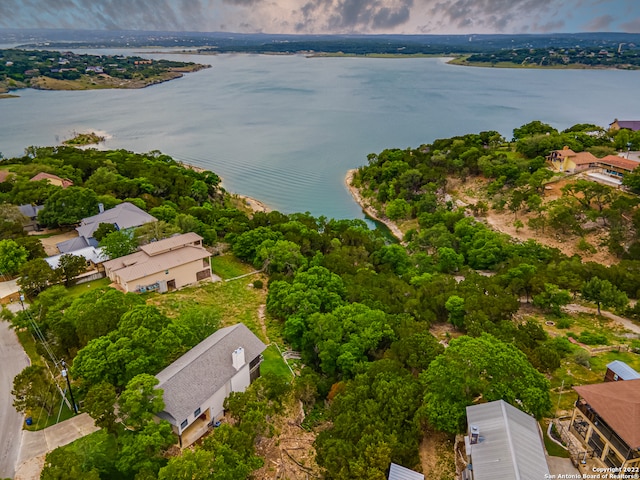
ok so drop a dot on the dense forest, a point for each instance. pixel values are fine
(359, 309)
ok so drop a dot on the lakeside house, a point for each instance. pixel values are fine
(124, 216)
(633, 125)
(165, 265)
(52, 179)
(196, 385)
(610, 169)
(503, 443)
(606, 419)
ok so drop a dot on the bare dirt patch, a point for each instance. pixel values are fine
(470, 193)
(437, 456)
(290, 453)
(49, 243)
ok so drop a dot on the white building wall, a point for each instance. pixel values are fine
(183, 275)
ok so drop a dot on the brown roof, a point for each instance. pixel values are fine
(582, 158)
(170, 243)
(618, 403)
(139, 264)
(48, 176)
(619, 162)
(564, 153)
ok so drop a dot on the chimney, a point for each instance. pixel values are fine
(101, 207)
(475, 434)
(238, 358)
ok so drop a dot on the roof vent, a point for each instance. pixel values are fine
(238, 358)
(475, 434)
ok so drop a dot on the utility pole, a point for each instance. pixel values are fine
(65, 374)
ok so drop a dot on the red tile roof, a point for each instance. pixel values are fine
(582, 158)
(4, 174)
(48, 176)
(618, 404)
(619, 162)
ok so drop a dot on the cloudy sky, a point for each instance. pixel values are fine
(327, 16)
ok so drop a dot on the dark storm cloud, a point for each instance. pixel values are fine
(495, 15)
(600, 24)
(355, 15)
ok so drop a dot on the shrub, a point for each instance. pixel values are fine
(564, 323)
(258, 284)
(583, 358)
(590, 338)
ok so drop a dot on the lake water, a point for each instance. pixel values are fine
(285, 129)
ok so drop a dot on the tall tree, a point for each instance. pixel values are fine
(604, 293)
(12, 257)
(70, 266)
(118, 244)
(480, 368)
(68, 206)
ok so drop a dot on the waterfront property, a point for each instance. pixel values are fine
(124, 216)
(606, 419)
(610, 169)
(165, 265)
(503, 443)
(196, 385)
(52, 179)
(633, 125)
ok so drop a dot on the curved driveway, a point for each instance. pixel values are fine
(13, 360)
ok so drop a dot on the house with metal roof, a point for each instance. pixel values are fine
(607, 421)
(124, 216)
(165, 265)
(503, 443)
(398, 472)
(618, 370)
(633, 125)
(196, 385)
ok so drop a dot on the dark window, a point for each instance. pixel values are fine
(197, 412)
(184, 424)
(203, 274)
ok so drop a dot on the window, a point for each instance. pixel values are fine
(197, 412)
(184, 424)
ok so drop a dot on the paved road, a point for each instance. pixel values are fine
(12, 361)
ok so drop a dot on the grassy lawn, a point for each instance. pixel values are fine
(228, 266)
(29, 345)
(553, 449)
(274, 363)
(78, 290)
(41, 420)
(233, 302)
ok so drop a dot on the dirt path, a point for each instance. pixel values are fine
(437, 456)
(624, 322)
(261, 315)
(368, 208)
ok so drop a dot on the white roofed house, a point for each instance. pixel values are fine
(503, 443)
(196, 385)
(165, 265)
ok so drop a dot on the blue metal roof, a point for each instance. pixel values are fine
(624, 371)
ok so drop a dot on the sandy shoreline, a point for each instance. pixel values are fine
(369, 210)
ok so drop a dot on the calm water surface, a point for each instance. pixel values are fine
(285, 129)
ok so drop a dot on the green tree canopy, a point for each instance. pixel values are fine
(118, 244)
(68, 206)
(480, 368)
(12, 257)
(604, 293)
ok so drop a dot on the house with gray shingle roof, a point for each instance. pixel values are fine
(124, 216)
(503, 443)
(165, 265)
(196, 385)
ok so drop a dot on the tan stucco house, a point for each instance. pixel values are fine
(566, 160)
(165, 265)
(52, 179)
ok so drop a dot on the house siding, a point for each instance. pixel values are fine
(183, 275)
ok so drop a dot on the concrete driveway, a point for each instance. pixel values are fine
(13, 360)
(35, 445)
